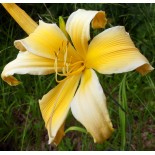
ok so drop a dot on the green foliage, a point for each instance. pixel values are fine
(22, 127)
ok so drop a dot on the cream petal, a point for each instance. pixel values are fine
(45, 41)
(27, 63)
(78, 27)
(113, 51)
(89, 107)
(55, 106)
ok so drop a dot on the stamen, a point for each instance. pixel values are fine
(65, 58)
(67, 65)
(56, 71)
(78, 62)
(77, 71)
(73, 68)
(68, 68)
(63, 70)
(70, 61)
(56, 67)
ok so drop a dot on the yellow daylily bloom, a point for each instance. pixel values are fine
(47, 50)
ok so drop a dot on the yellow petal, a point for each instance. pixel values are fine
(21, 17)
(89, 107)
(44, 41)
(78, 27)
(55, 105)
(27, 63)
(113, 51)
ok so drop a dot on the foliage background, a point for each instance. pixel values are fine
(21, 124)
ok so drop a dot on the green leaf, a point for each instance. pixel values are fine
(76, 128)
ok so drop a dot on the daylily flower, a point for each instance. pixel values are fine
(47, 50)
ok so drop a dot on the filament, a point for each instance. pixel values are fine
(68, 68)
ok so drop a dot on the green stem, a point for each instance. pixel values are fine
(122, 114)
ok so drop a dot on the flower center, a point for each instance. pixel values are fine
(69, 66)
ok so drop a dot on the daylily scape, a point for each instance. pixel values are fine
(47, 50)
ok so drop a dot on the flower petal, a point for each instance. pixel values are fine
(89, 107)
(27, 63)
(21, 17)
(45, 41)
(79, 30)
(112, 51)
(55, 105)
(99, 20)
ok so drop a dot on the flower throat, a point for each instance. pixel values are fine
(69, 67)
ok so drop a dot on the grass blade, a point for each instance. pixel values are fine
(122, 114)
